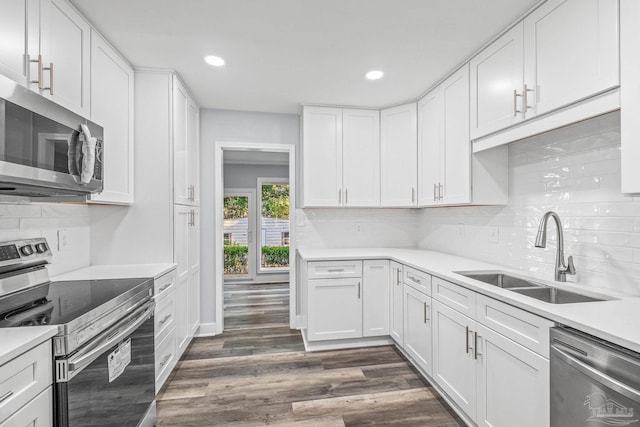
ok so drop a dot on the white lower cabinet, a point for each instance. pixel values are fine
(165, 327)
(496, 381)
(335, 309)
(375, 303)
(417, 327)
(512, 383)
(396, 315)
(38, 412)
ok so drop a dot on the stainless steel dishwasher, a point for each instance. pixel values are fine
(593, 382)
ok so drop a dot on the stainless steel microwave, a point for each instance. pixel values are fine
(45, 149)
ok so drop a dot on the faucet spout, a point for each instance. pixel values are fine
(562, 269)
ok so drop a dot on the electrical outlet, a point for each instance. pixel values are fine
(63, 240)
(461, 231)
(358, 227)
(494, 234)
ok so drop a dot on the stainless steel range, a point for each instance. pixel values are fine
(104, 349)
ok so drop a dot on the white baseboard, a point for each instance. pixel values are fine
(207, 330)
(343, 344)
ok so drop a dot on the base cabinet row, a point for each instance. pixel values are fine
(489, 358)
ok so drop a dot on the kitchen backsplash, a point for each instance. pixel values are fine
(21, 221)
(574, 171)
(352, 228)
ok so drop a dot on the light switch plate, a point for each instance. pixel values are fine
(63, 240)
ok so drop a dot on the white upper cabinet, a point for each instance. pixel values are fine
(629, 99)
(186, 146)
(65, 46)
(444, 146)
(496, 83)
(112, 108)
(322, 161)
(361, 157)
(571, 52)
(398, 156)
(341, 157)
(15, 19)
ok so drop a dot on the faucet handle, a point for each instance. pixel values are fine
(571, 269)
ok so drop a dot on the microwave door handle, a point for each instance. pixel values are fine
(601, 377)
(77, 363)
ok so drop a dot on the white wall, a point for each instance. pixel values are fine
(230, 126)
(22, 221)
(574, 171)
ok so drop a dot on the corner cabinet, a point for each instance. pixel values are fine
(398, 153)
(341, 156)
(112, 107)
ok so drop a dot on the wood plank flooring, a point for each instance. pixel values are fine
(257, 373)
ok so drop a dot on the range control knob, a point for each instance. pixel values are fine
(26, 250)
(41, 248)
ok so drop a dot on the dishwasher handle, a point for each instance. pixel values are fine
(597, 375)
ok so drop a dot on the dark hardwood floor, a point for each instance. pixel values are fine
(257, 373)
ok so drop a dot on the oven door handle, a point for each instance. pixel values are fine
(81, 361)
(593, 373)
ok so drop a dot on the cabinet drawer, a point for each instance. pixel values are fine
(418, 280)
(455, 296)
(164, 284)
(165, 314)
(334, 269)
(38, 412)
(165, 358)
(525, 328)
(24, 377)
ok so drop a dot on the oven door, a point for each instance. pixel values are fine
(111, 380)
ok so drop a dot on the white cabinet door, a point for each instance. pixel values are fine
(181, 191)
(454, 367)
(456, 145)
(571, 52)
(182, 218)
(417, 327)
(513, 383)
(193, 152)
(496, 77)
(65, 39)
(375, 298)
(429, 144)
(322, 156)
(194, 271)
(396, 326)
(112, 108)
(14, 20)
(398, 156)
(335, 309)
(361, 157)
(629, 100)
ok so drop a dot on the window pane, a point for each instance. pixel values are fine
(274, 220)
(236, 236)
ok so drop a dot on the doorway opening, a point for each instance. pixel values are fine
(255, 240)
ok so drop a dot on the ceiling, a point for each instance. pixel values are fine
(283, 53)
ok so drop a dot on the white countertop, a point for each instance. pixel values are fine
(615, 320)
(119, 271)
(15, 341)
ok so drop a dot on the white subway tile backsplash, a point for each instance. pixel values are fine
(574, 171)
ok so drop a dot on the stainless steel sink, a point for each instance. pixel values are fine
(501, 280)
(528, 288)
(555, 295)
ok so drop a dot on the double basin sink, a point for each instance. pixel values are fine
(531, 289)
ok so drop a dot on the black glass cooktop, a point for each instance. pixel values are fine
(59, 303)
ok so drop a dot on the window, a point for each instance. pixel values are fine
(228, 239)
(284, 238)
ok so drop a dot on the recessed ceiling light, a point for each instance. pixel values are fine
(216, 61)
(374, 75)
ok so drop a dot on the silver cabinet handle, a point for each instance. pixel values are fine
(164, 320)
(413, 195)
(165, 360)
(440, 191)
(39, 61)
(475, 345)
(50, 69)
(434, 191)
(415, 279)
(398, 272)
(340, 196)
(6, 396)
(425, 312)
(164, 287)
(346, 196)
(525, 98)
(467, 339)
(358, 290)
(335, 270)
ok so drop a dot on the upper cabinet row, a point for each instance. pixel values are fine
(48, 47)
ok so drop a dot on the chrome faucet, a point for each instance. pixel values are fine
(541, 241)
